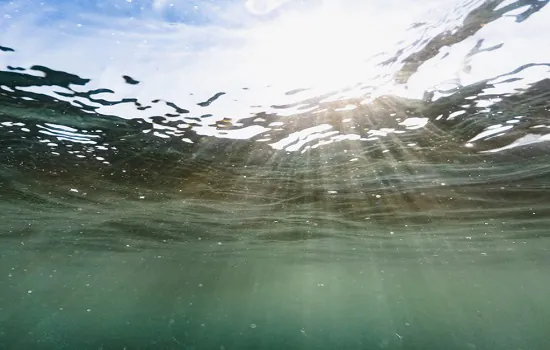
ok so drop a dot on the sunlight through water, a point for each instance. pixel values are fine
(274, 174)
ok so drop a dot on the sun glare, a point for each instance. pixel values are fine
(324, 49)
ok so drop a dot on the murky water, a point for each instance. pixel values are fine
(276, 174)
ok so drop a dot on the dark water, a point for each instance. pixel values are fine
(274, 175)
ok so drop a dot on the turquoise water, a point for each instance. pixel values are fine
(274, 175)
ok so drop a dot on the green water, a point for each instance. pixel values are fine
(242, 300)
(418, 287)
(222, 260)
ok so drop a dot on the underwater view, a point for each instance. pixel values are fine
(275, 174)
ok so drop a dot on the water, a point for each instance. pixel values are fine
(274, 174)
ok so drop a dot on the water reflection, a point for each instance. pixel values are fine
(170, 73)
(222, 151)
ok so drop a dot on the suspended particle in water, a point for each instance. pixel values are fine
(253, 325)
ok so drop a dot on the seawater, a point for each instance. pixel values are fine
(210, 176)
